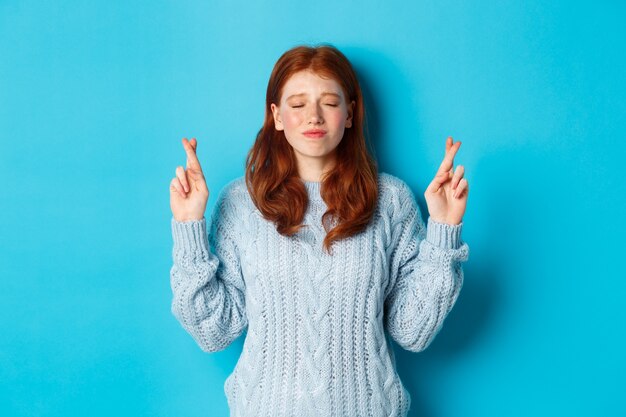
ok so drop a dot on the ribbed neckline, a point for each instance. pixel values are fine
(313, 188)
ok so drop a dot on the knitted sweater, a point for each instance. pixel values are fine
(317, 326)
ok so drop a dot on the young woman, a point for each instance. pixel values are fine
(321, 257)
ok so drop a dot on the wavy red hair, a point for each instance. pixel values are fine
(350, 189)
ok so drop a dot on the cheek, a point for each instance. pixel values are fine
(336, 118)
(291, 120)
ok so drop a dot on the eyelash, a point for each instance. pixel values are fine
(331, 105)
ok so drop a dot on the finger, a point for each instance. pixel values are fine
(458, 174)
(192, 159)
(448, 160)
(431, 187)
(437, 182)
(440, 179)
(448, 146)
(176, 186)
(182, 177)
(462, 188)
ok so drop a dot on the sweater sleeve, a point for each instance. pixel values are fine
(425, 273)
(206, 279)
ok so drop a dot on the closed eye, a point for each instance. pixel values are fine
(328, 104)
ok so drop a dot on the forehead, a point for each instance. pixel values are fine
(309, 83)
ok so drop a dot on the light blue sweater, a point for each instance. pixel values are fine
(316, 343)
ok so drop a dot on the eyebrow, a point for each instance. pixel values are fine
(325, 93)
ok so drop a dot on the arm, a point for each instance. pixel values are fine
(207, 283)
(425, 273)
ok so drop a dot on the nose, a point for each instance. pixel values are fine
(315, 115)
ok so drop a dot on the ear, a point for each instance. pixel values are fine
(350, 113)
(277, 121)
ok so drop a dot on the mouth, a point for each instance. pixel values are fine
(314, 133)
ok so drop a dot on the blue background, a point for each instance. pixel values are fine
(96, 96)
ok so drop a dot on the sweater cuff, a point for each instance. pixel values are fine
(443, 235)
(190, 236)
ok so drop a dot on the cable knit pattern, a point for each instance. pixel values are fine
(319, 326)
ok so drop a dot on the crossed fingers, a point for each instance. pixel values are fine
(193, 172)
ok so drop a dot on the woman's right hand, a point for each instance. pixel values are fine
(188, 190)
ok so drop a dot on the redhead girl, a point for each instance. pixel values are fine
(321, 258)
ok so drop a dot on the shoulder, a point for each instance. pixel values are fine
(230, 209)
(234, 191)
(393, 189)
(396, 201)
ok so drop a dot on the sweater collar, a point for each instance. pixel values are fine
(313, 189)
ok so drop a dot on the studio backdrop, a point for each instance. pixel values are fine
(96, 96)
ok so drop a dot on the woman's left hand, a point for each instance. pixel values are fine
(446, 195)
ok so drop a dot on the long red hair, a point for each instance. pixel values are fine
(350, 189)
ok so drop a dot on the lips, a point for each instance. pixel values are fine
(314, 133)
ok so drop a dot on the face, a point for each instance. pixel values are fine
(312, 103)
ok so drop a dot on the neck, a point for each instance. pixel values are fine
(312, 170)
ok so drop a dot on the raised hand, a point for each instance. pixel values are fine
(188, 190)
(446, 195)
